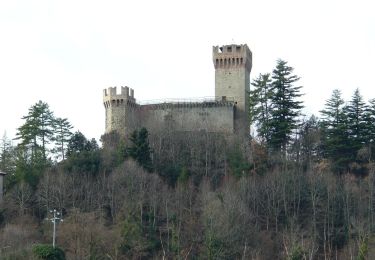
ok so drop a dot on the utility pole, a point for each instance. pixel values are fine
(55, 219)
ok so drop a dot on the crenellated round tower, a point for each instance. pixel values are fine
(232, 80)
(120, 109)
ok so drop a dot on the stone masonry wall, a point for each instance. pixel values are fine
(210, 117)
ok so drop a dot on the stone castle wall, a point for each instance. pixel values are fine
(206, 116)
(227, 113)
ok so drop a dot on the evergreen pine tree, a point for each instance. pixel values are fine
(7, 155)
(370, 128)
(62, 136)
(37, 131)
(356, 114)
(34, 135)
(78, 144)
(335, 136)
(286, 108)
(260, 105)
(140, 149)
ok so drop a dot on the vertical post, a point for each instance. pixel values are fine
(54, 219)
(54, 228)
(2, 174)
(369, 150)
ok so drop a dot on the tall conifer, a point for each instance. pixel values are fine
(356, 114)
(37, 131)
(335, 136)
(286, 108)
(260, 105)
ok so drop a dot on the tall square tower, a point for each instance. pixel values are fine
(232, 80)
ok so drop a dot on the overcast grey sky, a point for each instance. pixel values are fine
(66, 52)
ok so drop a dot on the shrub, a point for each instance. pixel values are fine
(42, 251)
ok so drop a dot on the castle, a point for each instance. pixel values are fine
(226, 113)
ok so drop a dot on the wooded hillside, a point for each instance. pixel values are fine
(297, 188)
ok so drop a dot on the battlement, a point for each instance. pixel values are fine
(232, 56)
(126, 92)
(111, 97)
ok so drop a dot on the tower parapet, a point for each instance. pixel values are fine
(232, 56)
(110, 96)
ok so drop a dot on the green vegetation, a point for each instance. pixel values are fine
(285, 108)
(301, 188)
(48, 252)
(140, 149)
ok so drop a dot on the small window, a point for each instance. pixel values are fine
(238, 48)
(229, 49)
